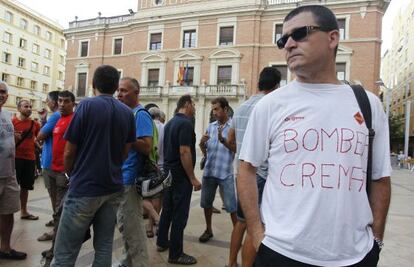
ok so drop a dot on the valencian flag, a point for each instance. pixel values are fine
(181, 71)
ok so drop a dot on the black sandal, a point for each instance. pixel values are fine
(183, 259)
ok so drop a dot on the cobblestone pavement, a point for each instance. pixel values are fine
(398, 250)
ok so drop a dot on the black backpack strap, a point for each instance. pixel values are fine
(365, 108)
(25, 135)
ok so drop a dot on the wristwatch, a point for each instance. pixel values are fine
(379, 242)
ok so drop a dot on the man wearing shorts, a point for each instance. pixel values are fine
(26, 130)
(269, 80)
(9, 189)
(218, 170)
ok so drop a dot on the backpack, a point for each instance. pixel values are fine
(153, 180)
(153, 155)
(365, 107)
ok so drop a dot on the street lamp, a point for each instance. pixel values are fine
(387, 96)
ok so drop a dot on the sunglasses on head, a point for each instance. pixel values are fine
(299, 34)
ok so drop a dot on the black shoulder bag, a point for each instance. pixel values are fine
(365, 108)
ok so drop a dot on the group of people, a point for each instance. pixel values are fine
(291, 165)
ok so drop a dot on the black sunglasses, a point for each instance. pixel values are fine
(299, 34)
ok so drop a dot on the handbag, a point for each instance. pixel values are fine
(153, 180)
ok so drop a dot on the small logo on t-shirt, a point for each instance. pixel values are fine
(358, 117)
(294, 118)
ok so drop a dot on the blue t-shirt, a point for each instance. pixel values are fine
(133, 165)
(100, 127)
(47, 129)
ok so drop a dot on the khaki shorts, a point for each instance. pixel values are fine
(9, 196)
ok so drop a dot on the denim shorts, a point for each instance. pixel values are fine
(260, 186)
(209, 188)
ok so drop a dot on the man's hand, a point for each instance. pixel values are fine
(204, 139)
(43, 114)
(196, 184)
(17, 136)
(248, 195)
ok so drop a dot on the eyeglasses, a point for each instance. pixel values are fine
(299, 34)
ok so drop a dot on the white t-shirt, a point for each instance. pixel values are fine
(315, 206)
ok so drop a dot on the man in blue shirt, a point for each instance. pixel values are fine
(218, 170)
(130, 219)
(45, 136)
(98, 140)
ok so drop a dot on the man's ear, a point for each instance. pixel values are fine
(333, 39)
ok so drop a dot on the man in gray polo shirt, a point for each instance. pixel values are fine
(9, 189)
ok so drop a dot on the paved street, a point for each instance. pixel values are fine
(398, 250)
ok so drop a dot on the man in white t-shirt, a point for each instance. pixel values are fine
(315, 210)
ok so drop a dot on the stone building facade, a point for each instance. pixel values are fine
(223, 45)
(32, 54)
(397, 70)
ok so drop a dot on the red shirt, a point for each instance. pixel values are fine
(59, 143)
(26, 150)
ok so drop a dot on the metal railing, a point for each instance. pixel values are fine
(150, 91)
(282, 2)
(182, 90)
(99, 21)
(223, 90)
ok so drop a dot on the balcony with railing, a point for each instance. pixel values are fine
(282, 2)
(100, 21)
(151, 91)
(224, 90)
(230, 90)
(183, 90)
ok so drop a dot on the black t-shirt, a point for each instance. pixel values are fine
(179, 131)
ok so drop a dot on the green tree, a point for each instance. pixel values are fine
(396, 123)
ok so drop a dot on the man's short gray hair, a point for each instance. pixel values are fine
(155, 113)
(6, 86)
(162, 115)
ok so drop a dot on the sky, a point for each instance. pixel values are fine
(64, 11)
